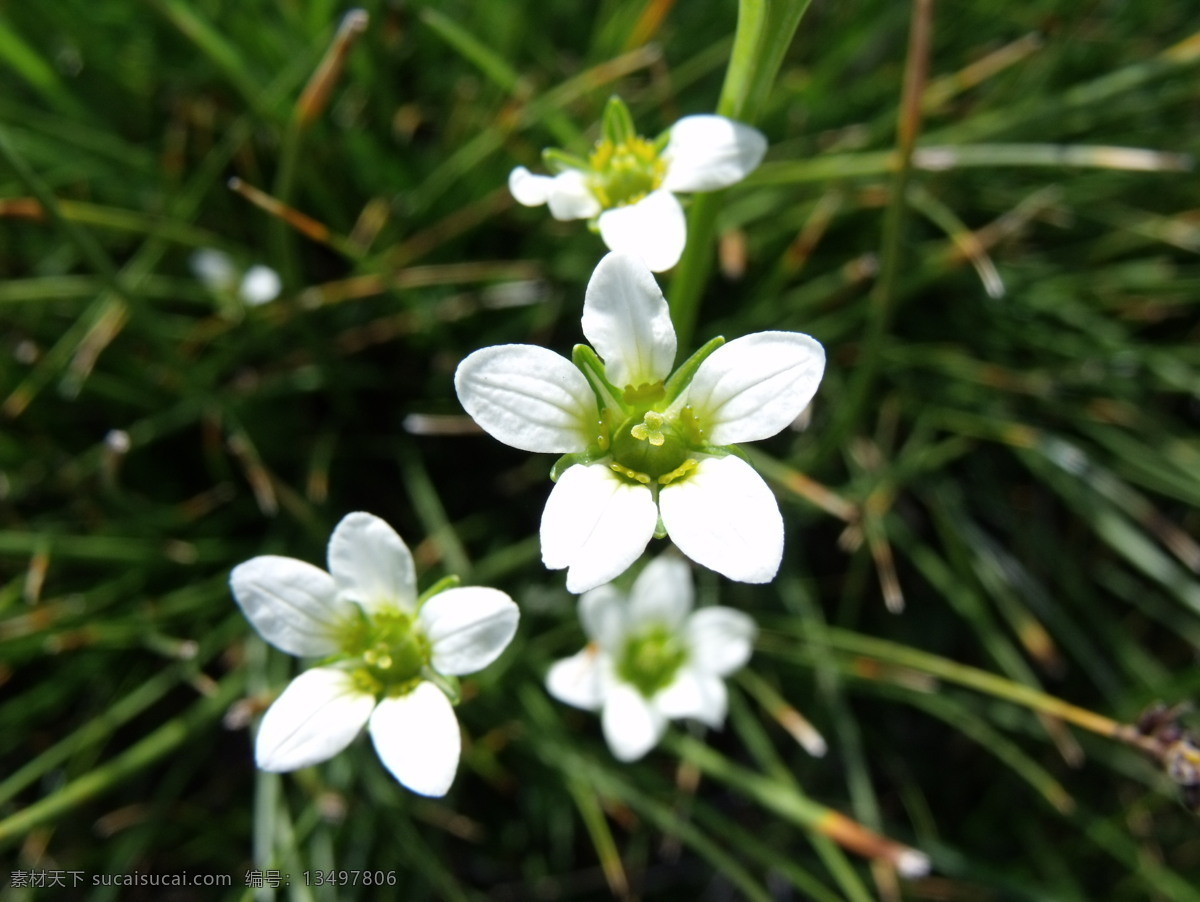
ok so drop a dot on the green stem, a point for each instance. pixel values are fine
(694, 267)
(879, 312)
(791, 804)
(764, 32)
(951, 671)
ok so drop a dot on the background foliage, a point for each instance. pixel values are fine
(1005, 441)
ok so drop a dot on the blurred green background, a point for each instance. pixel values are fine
(1005, 443)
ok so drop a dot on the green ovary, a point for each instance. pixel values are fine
(392, 651)
(650, 662)
(648, 444)
(624, 173)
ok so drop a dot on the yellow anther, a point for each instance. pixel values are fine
(631, 474)
(365, 682)
(641, 395)
(624, 173)
(679, 472)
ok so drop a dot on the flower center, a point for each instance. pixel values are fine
(624, 173)
(392, 651)
(649, 446)
(649, 662)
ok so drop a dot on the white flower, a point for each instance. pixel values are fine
(388, 656)
(627, 186)
(647, 453)
(217, 271)
(649, 659)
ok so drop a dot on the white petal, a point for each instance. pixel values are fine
(724, 517)
(371, 564)
(662, 593)
(319, 714)
(468, 628)
(416, 737)
(259, 285)
(631, 725)
(693, 694)
(571, 198)
(604, 614)
(528, 397)
(291, 604)
(721, 639)
(710, 152)
(578, 680)
(596, 524)
(214, 268)
(654, 229)
(528, 189)
(756, 386)
(626, 319)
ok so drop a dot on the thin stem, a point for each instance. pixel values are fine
(790, 803)
(973, 678)
(916, 73)
(310, 105)
(764, 32)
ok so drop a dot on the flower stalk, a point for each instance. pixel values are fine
(764, 32)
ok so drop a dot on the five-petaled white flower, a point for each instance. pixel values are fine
(388, 657)
(627, 186)
(647, 452)
(217, 271)
(649, 659)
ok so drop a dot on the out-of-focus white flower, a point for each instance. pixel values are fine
(647, 452)
(650, 658)
(217, 271)
(388, 656)
(259, 285)
(627, 186)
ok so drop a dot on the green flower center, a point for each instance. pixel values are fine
(391, 651)
(650, 662)
(648, 444)
(624, 173)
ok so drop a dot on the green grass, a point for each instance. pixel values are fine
(1005, 441)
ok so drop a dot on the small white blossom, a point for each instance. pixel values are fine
(627, 186)
(650, 659)
(388, 657)
(216, 270)
(647, 452)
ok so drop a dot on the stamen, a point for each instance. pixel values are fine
(392, 650)
(691, 424)
(642, 395)
(630, 474)
(679, 472)
(624, 173)
(604, 427)
(366, 682)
